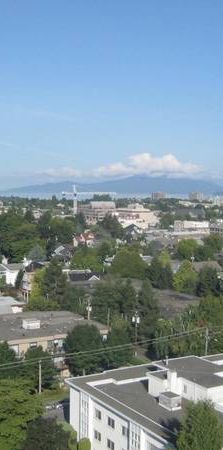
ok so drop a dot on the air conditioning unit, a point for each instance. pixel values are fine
(169, 400)
(30, 324)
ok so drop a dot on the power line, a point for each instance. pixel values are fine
(116, 348)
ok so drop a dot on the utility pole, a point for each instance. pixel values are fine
(40, 376)
(89, 308)
(136, 322)
(206, 341)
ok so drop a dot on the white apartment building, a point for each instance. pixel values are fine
(192, 226)
(141, 407)
(138, 215)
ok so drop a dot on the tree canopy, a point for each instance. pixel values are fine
(17, 408)
(201, 429)
(84, 338)
(128, 264)
(46, 434)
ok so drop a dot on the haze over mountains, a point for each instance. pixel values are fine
(138, 184)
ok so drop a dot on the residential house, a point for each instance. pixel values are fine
(10, 272)
(28, 276)
(83, 278)
(63, 252)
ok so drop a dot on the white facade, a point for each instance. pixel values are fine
(105, 426)
(192, 225)
(127, 408)
(138, 215)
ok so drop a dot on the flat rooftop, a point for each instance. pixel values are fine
(126, 391)
(6, 304)
(52, 323)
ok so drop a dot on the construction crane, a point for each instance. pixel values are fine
(74, 195)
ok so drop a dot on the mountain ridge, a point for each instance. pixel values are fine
(136, 184)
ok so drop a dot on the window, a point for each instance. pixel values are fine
(110, 444)
(185, 389)
(33, 344)
(135, 437)
(125, 431)
(97, 414)
(97, 435)
(111, 422)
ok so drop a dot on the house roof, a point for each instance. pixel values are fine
(13, 267)
(6, 304)
(84, 276)
(198, 266)
(53, 323)
(34, 265)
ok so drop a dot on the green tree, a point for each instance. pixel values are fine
(54, 282)
(87, 258)
(185, 280)
(84, 338)
(2, 283)
(17, 408)
(118, 336)
(62, 229)
(166, 221)
(37, 253)
(19, 278)
(187, 248)
(113, 299)
(160, 276)
(7, 355)
(148, 310)
(112, 225)
(128, 264)
(215, 241)
(84, 444)
(201, 428)
(46, 434)
(104, 250)
(31, 371)
(208, 282)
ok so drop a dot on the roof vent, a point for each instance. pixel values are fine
(169, 400)
(31, 324)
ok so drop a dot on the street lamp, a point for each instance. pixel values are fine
(220, 278)
(136, 322)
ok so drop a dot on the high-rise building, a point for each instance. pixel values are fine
(158, 195)
(196, 196)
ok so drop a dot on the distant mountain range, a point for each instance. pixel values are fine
(138, 184)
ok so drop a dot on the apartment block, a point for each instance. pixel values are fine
(141, 407)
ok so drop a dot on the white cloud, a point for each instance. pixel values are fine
(141, 163)
(62, 172)
(145, 163)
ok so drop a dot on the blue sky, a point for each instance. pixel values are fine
(94, 88)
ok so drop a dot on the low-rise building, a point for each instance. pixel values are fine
(141, 407)
(95, 211)
(192, 226)
(48, 329)
(217, 227)
(136, 214)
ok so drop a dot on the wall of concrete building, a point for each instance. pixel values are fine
(147, 440)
